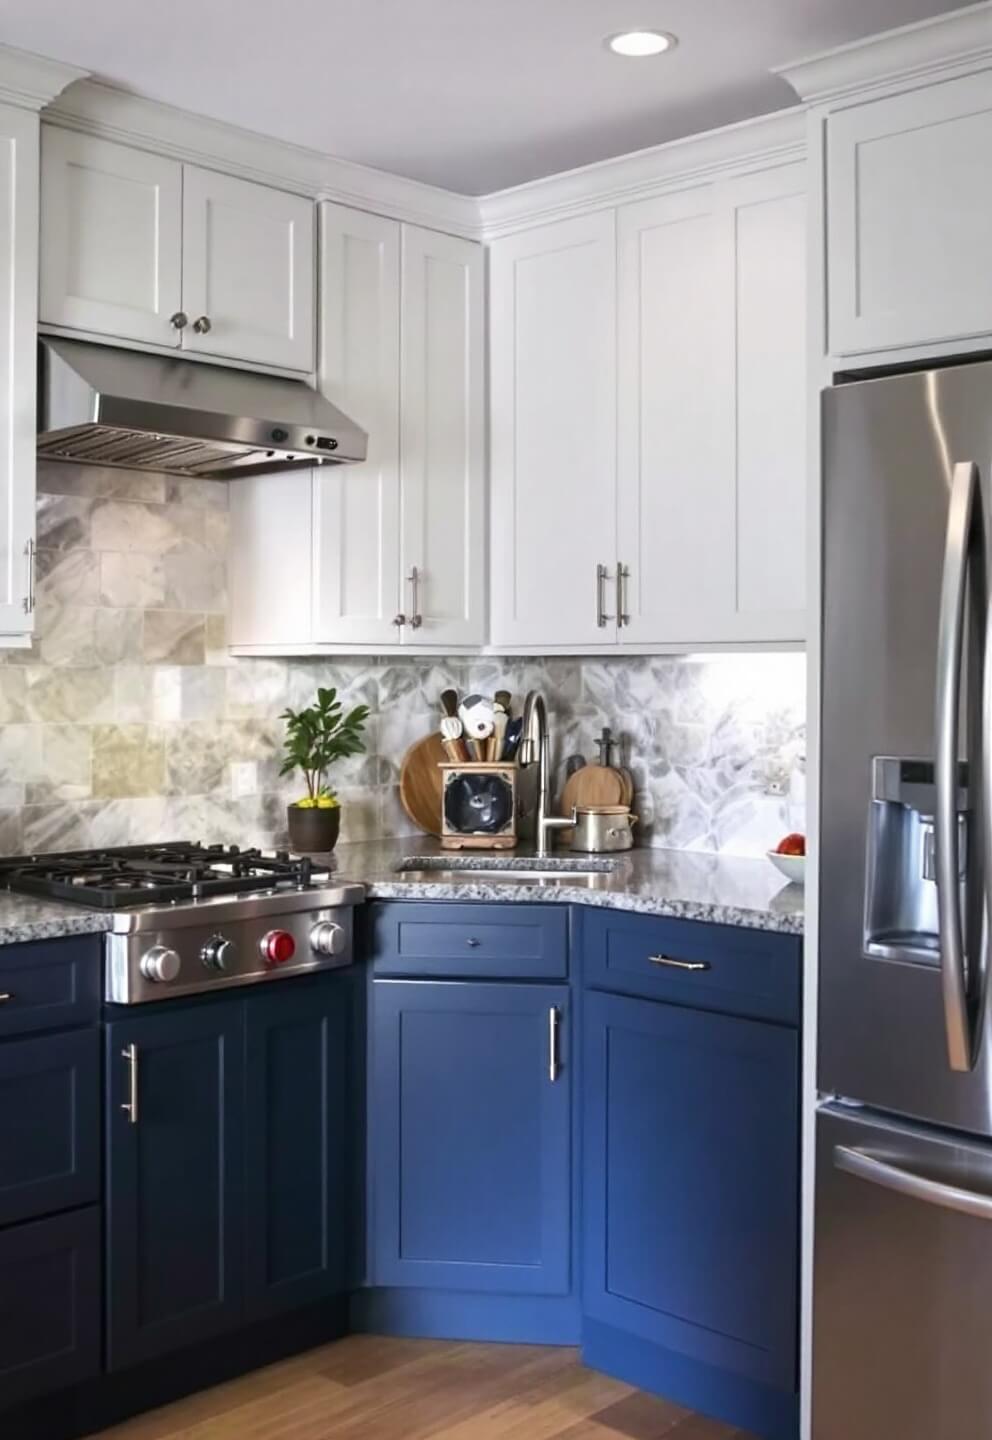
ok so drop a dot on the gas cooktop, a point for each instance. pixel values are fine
(127, 876)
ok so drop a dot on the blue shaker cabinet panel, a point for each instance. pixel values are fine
(49, 1305)
(49, 1124)
(299, 1155)
(174, 1186)
(470, 1137)
(470, 941)
(50, 984)
(691, 1183)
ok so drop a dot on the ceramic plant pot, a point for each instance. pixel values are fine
(313, 831)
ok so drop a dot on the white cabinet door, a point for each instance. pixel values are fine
(111, 228)
(248, 271)
(553, 433)
(909, 207)
(712, 404)
(357, 507)
(270, 580)
(18, 415)
(442, 439)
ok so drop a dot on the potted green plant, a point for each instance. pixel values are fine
(315, 738)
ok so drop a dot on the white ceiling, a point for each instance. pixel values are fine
(473, 95)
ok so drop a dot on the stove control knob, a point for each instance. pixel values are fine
(218, 953)
(277, 947)
(326, 938)
(160, 964)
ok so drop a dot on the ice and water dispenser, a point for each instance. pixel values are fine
(900, 890)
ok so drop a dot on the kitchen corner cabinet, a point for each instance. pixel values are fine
(909, 218)
(140, 247)
(648, 421)
(390, 552)
(18, 415)
(470, 1146)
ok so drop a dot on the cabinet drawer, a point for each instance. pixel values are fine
(470, 941)
(49, 984)
(49, 1124)
(49, 1304)
(688, 962)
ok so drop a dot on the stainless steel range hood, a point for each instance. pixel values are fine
(102, 406)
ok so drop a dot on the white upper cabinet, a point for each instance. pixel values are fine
(357, 507)
(111, 238)
(442, 440)
(248, 271)
(712, 401)
(553, 434)
(909, 206)
(145, 249)
(18, 417)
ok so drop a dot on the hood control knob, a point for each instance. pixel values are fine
(218, 953)
(277, 947)
(160, 964)
(326, 938)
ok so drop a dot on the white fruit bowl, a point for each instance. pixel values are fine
(793, 867)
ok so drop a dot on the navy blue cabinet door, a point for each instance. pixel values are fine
(299, 1168)
(690, 1182)
(469, 1129)
(174, 1196)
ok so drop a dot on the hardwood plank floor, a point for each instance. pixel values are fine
(368, 1387)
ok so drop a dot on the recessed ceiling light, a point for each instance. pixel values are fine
(638, 44)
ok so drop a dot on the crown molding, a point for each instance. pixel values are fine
(930, 50)
(112, 114)
(767, 141)
(32, 81)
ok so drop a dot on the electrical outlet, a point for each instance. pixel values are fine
(244, 779)
(776, 786)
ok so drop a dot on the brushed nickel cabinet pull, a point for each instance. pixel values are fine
(29, 599)
(5, 997)
(679, 964)
(414, 578)
(602, 575)
(623, 575)
(553, 1066)
(130, 1107)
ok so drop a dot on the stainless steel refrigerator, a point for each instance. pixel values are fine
(903, 1259)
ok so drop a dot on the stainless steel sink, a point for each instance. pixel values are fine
(513, 869)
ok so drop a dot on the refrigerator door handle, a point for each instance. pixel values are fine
(964, 488)
(909, 1183)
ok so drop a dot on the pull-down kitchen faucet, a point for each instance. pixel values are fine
(535, 745)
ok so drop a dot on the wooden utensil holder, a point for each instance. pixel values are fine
(479, 805)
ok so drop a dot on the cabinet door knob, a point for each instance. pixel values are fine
(5, 997)
(472, 942)
(399, 619)
(202, 325)
(180, 320)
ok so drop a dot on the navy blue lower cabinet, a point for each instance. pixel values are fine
(50, 1307)
(690, 1206)
(470, 1137)
(174, 1182)
(299, 1160)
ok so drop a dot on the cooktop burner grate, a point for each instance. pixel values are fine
(124, 876)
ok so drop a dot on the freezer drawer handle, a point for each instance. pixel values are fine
(961, 1048)
(916, 1187)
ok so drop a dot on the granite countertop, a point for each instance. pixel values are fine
(683, 884)
(24, 917)
(686, 885)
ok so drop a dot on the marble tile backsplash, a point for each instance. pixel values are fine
(128, 721)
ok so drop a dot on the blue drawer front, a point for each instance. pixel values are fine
(486, 942)
(50, 984)
(49, 1124)
(49, 1305)
(741, 972)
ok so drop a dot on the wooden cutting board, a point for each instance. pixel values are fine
(595, 785)
(420, 783)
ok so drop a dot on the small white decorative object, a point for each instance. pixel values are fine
(793, 867)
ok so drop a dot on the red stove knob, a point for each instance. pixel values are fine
(277, 946)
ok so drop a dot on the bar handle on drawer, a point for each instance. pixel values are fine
(679, 964)
(130, 1108)
(553, 1066)
(5, 997)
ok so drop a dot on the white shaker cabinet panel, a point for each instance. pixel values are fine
(111, 237)
(909, 207)
(270, 582)
(442, 440)
(357, 507)
(553, 434)
(18, 417)
(248, 271)
(676, 418)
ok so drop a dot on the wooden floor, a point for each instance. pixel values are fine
(370, 1388)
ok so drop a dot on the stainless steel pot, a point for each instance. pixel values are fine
(602, 828)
